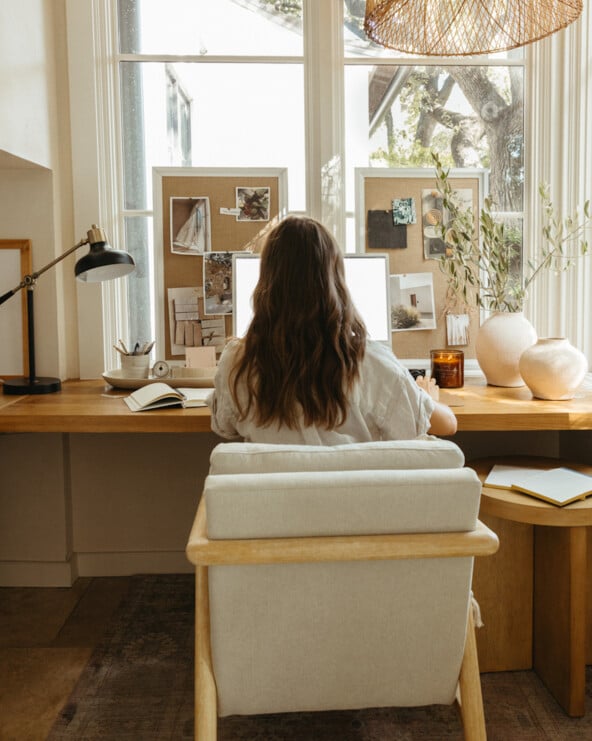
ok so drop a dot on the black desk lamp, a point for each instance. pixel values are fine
(101, 263)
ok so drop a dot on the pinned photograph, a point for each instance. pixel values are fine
(434, 216)
(217, 281)
(457, 329)
(404, 211)
(412, 302)
(190, 225)
(253, 203)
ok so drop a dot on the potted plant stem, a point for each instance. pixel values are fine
(482, 267)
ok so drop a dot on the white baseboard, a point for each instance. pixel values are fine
(127, 564)
(37, 574)
(64, 574)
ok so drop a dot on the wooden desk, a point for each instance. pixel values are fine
(491, 408)
(547, 587)
(93, 406)
(85, 492)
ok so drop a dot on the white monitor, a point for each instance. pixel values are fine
(367, 278)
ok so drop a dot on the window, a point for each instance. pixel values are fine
(205, 85)
(281, 83)
(178, 113)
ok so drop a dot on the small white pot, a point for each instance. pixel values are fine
(501, 340)
(553, 368)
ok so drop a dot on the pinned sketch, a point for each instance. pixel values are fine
(434, 216)
(457, 329)
(412, 302)
(190, 225)
(217, 282)
(253, 203)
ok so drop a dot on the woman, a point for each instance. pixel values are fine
(305, 371)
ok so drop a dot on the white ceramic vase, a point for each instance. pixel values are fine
(553, 368)
(501, 340)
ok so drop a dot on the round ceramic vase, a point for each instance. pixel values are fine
(553, 368)
(501, 340)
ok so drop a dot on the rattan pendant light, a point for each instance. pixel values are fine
(465, 27)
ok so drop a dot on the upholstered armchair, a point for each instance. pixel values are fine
(336, 578)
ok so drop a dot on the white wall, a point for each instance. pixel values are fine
(25, 82)
(35, 167)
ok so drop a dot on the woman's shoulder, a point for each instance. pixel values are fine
(230, 350)
(378, 356)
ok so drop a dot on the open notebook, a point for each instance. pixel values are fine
(160, 394)
(558, 486)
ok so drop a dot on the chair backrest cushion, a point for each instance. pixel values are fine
(276, 505)
(427, 452)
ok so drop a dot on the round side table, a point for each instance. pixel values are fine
(552, 556)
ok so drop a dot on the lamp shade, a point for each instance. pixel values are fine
(465, 27)
(102, 261)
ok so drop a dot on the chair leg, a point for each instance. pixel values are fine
(469, 684)
(206, 716)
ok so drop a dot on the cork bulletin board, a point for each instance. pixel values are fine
(15, 263)
(398, 212)
(201, 216)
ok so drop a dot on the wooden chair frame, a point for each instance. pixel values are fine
(204, 552)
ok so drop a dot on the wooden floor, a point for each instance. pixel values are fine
(46, 638)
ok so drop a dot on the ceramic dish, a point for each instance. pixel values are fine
(431, 232)
(118, 380)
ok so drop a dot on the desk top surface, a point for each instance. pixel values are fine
(93, 406)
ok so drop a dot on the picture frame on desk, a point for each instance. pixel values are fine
(174, 271)
(15, 262)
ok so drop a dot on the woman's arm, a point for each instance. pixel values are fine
(443, 420)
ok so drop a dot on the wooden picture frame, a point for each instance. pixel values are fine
(221, 194)
(375, 190)
(15, 263)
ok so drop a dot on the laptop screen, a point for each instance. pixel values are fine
(367, 278)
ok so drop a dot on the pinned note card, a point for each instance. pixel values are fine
(200, 357)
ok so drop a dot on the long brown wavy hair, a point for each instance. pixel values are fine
(302, 352)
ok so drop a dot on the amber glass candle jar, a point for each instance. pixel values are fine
(448, 368)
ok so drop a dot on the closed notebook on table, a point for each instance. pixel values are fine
(558, 486)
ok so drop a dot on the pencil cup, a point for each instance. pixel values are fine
(135, 366)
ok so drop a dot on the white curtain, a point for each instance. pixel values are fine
(560, 153)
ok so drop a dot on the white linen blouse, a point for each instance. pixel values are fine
(386, 404)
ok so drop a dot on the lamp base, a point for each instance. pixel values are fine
(39, 385)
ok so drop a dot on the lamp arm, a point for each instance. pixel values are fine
(31, 279)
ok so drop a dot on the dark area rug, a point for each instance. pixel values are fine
(138, 686)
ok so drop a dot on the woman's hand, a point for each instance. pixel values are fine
(430, 386)
(443, 421)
